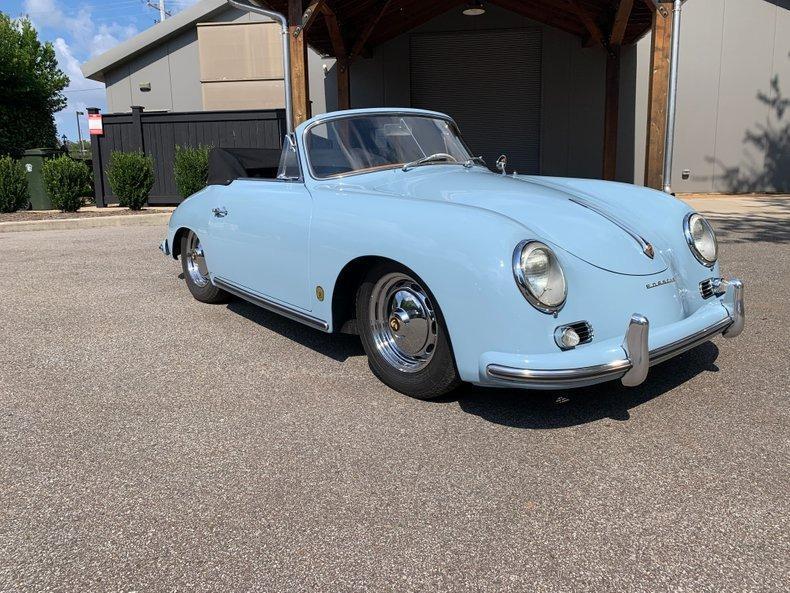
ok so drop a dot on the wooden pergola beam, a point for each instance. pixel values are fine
(423, 13)
(658, 6)
(620, 22)
(542, 13)
(300, 91)
(589, 23)
(339, 49)
(660, 45)
(365, 35)
(309, 15)
(335, 35)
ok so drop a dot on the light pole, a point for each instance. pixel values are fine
(79, 132)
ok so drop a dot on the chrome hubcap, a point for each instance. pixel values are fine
(196, 262)
(404, 322)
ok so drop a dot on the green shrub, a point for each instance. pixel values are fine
(13, 185)
(191, 169)
(65, 181)
(131, 177)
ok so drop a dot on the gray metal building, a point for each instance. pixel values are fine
(514, 85)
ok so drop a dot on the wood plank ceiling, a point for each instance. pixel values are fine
(364, 24)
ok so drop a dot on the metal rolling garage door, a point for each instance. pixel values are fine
(490, 83)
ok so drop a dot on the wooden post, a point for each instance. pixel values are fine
(98, 169)
(657, 98)
(611, 113)
(343, 63)
(300, 92)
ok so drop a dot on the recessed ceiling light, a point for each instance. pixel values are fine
(474, 9)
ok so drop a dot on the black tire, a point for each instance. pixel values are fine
(198, 282)
(434, 373)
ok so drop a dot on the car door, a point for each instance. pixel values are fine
(260, 232)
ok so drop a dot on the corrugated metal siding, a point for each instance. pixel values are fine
(490, 83)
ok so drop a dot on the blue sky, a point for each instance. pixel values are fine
(81, 29)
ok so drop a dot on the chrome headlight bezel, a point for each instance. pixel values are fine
(687, 222)
(523, 284)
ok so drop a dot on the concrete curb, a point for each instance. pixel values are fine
(86, 223)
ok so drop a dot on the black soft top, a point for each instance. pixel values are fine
(227, 164)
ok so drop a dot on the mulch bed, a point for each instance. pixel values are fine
(24, 215)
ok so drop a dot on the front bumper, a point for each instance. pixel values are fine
(630, 360)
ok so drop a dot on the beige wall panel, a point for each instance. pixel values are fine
(240, 52)
(248, 94)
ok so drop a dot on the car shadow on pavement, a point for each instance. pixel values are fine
(339, 347)
(561, 409)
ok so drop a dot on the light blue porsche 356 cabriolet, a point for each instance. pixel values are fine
(381, 222)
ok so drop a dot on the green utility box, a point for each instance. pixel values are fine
(32, 161)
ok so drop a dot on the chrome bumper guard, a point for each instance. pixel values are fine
(632, 369)
(164, 248)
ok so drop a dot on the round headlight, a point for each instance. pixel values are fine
(701, 238)
(539, 276)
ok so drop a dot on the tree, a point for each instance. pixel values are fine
(31, 86)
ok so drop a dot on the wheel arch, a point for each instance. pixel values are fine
(175, 248)
(345, 291)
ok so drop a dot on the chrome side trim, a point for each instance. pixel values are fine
(583, 376)
(733, 302)
(271, 305)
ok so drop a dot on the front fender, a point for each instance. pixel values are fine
(192, 214)
(462, 253)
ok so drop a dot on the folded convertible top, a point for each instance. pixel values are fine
(227, 164)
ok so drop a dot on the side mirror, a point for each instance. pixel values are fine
(501, 163)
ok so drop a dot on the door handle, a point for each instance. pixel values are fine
(219, 212)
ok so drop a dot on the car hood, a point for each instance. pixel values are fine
(555, 213)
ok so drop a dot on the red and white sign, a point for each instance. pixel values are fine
(94, 124)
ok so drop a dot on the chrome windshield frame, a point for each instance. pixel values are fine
(394, 113)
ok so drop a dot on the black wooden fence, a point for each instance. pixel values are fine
(158, 133)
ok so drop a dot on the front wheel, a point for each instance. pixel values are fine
(193, 263)
(404, 334)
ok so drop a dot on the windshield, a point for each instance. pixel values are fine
(370, 142)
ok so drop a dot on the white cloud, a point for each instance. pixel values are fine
(108, 36)
(86, 37)
(80, 94)
(80, 38)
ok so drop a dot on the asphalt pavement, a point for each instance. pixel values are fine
(149, 442)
